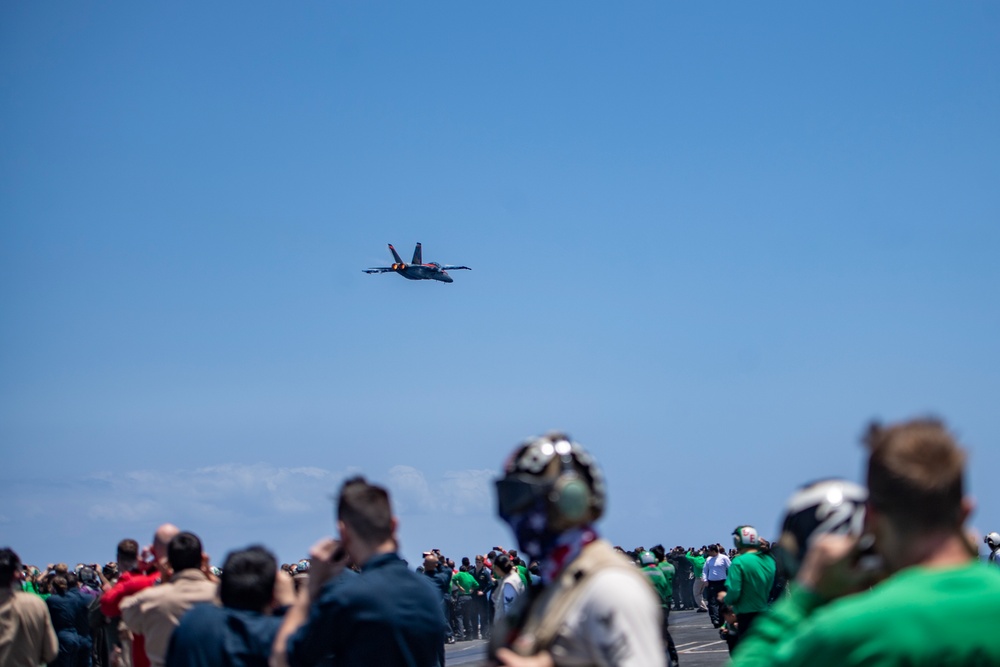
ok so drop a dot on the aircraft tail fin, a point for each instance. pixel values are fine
(417, 255)
(395, 255)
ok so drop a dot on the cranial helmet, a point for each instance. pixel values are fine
(745, 536)
(827, 506)
(647, 558)
(557, 474)
(993, 540)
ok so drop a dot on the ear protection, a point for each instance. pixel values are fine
(571, 497)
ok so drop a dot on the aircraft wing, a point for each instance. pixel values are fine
(449, 267)
(378, 269)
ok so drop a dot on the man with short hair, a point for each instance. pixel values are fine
(135, 577)
(440, 577)
(386, 616)
(27, 637)
(480, 607)
(240, 632)
(462, 586)
(714, 573)
(938, 605)
(156, 611)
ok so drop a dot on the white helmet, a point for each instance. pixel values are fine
(993, 540)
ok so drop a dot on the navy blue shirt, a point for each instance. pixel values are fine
(211, 636)
(388, 616)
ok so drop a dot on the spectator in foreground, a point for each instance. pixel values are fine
(156, 611)
(386, 616)
(594, 606)
(240, 632)
(27, 638)
(938, 605)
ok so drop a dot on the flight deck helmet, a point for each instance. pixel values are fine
(826, 506)
(745, 537)
(992, 540)
(647, 558)
(549, 485)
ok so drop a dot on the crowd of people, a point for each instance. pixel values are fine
(879, 574)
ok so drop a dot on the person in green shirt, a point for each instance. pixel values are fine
(665, 590)
(932, 602)
(697, 560)
(750, 579)
(462, 586)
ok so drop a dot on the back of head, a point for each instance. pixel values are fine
(822, 507)
(247, 580)
(10, 564)
(161, 539)
(502, 563)
(366, 509)
(647, 558)
(745, 537)
(60, 584)
(128, 553)
(184, 552)
(992, 540)
(915, 475)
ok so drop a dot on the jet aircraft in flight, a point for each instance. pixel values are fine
(416, 270)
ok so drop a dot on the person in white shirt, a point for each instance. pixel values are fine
(715, 572)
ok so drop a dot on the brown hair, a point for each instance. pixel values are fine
(366, 509)
(915, 472)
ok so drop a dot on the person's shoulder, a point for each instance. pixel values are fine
(613, 586)
(202, 612)
(29, 601)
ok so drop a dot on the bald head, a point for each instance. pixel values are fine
(161, 538)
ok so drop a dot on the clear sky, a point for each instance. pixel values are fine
(710, 240)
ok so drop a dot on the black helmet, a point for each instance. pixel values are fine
(827, 506)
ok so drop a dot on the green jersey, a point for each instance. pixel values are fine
(918, 617)
(464, 583)
(669, 573)
(697, 564)
(749, 582)
(659, 583)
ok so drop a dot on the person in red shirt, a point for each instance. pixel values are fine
(137, 576)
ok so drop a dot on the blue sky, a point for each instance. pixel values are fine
(709, 240)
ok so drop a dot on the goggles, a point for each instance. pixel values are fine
(515, 495)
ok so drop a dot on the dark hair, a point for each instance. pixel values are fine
(502, 563)
(128, 551)
(10, 563)
(915, 472)
(60, 584)
(184, 552)
(365, 508)
(247, 580)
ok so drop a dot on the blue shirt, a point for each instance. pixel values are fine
(387, 616)
(210, 636)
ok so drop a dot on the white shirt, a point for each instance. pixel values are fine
(716, 568)
(615, 622)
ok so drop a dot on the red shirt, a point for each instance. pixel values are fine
(128, 584)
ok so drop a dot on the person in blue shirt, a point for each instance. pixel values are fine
(386, 616)
(240, 632)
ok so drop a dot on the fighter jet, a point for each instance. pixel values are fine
(416, 270)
